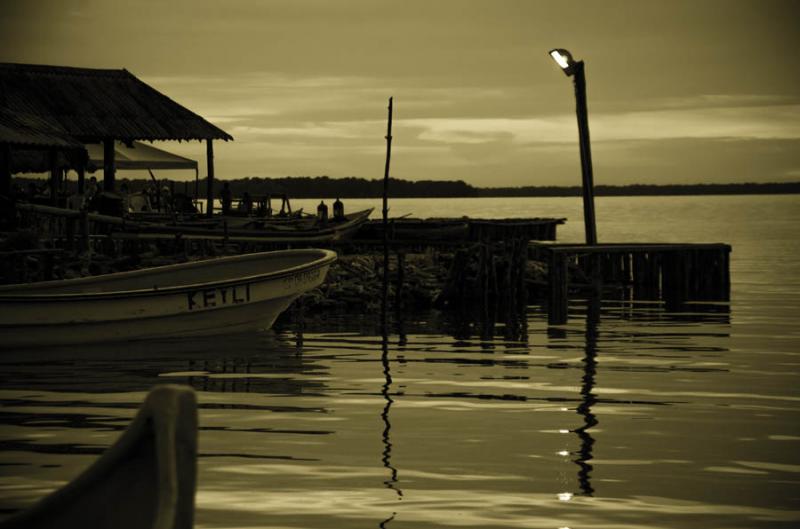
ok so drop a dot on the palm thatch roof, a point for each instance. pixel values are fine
(91, 105)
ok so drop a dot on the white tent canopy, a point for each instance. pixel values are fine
(138, 156)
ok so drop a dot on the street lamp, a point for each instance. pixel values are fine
(574, 69)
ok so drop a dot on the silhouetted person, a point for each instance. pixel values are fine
(152, 195)
(226, 198)
(322, 211)
(338, 210)
(165, 201)
(92, 197)
(286, 209)
(246, 204)
(124, 193)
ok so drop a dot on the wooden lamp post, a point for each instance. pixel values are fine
(574, 69)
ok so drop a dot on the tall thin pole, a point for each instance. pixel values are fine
(386, 208)
(210, 180)
(586, 154)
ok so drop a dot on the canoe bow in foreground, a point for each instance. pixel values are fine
(146, 480)
(188, 299)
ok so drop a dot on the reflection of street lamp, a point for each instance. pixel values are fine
(574, 69)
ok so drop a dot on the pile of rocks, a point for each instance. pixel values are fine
(355, 283)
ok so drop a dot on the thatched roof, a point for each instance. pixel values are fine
(92, 105)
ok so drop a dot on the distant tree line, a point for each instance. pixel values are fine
(352, 187)
(750, 188)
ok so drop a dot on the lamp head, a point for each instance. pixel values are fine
(564, 60)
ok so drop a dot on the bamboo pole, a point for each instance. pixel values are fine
(386, 205)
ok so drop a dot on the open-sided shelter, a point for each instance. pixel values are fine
(84, 105)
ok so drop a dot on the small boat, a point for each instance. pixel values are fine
(305, 229)
(299, 229)
(198, 298)
(145, 480)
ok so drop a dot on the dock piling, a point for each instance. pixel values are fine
(673, 273)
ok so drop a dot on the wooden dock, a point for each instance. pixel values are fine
(674, 273)
(448, 230)
(487, 261)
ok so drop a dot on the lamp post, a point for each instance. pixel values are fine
(574, 69)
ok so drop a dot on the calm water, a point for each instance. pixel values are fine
(625, 417)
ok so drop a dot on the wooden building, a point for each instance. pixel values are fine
(56, 109)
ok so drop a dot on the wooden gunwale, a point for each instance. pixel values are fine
(326, 258)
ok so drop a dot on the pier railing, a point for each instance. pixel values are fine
(673, 273)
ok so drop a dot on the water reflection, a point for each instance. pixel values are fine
(639, 338)
(386, 456)
(466, 322)
(302, 420)
(588, 399)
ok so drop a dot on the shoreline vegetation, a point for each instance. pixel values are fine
(352, 187)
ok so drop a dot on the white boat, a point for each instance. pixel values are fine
(188, 299)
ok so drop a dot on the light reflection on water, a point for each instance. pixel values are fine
(628, 416)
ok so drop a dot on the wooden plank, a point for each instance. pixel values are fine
(629, 247)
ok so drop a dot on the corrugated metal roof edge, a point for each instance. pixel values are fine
(223, 135)
(43, 69)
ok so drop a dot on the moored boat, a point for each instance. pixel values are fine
(299, 229)
(145, 480)
(187, 299)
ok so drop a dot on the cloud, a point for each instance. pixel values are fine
(322, 124)
(308, 131)
(763, 122)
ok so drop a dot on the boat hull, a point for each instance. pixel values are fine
(45, 317)
(146, 479)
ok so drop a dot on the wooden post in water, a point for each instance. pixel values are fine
(386, 204)
(483, 277)
(210, 180)
(558, 285)
(398, 289)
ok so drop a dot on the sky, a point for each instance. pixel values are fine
(698, 91)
